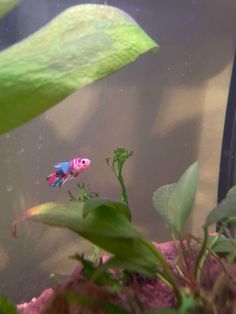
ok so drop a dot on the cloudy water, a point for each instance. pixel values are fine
(168, 108)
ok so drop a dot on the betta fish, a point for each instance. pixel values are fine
(67, 170)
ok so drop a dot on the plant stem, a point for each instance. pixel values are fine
(124, 195)
(201, 257)
(167, 275)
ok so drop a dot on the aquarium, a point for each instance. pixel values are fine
(167, 107)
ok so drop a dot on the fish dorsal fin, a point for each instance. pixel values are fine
(62, 166)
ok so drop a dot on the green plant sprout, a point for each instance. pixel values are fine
(85, 193)
(116, 163)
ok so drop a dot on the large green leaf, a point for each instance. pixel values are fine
(7, 5)
(174, 202)
(81, 45)
(104, 224)
(224, 210)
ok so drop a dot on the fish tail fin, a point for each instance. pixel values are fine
(55, 180)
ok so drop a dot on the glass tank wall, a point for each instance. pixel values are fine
(168, 108)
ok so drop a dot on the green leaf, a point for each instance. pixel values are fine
(6, 306)
(103, 278)
(83, 44)
(174, 202)
(119, 207)
(130, 265)
(224, 210)
(160, 200)
(7, 5)
(189, 302)
(105, 224)
(223, 245)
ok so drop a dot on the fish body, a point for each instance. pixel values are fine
(67, 170)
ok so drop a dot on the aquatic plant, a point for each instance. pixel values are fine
(81, 45)
(85, 193)
(7, 5)
(116, 163)
(6, 306)
(107, 223)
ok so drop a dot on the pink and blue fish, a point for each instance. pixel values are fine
(67, 170)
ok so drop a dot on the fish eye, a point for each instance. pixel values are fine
(83, 161)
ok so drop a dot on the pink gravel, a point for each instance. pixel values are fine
(153, 293)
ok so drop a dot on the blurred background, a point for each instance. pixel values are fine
(168, 108)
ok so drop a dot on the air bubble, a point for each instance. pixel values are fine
(9, 188)
(7, 135)
(20, 151)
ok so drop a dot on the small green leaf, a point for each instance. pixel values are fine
(189, 302)
(7, 5)
(224, 210)
(223, 245)
(83, 44)
(121, 208)
(103, 278)
(174, 202)
(6, 306)
(129, 265)
(160, 200)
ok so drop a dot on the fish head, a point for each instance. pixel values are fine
(80, 164)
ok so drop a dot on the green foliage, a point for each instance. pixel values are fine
(81, 45)
(7, 5)
(174, 202)
(118, 207)
(6, 306)
(221, 245)
(92, 257)
(85, 193)
(116, 163)
(101, 278)
(107, 224)
(226, 210)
